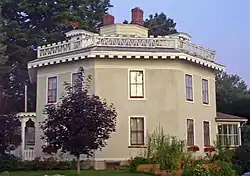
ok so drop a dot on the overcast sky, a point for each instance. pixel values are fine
(222, 25)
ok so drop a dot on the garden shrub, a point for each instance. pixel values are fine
(241, 159)
(226, 169)
(47, 164)
(137, 161)
(9, 162)
(222, 153)
(220, 168)
(165, 150)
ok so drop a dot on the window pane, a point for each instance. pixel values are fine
(133, 90)
(220, 129)
(133, 138)
(206, 133)
(133, 77)
(235, 129)
(133, 124)
(140, 124)
(136, 84)
(53, 95)
(137, 131)
(189, 80)
(190, 132)
(54, 83)
(189, 89)
(140, 77)
(139, 91)
(140, 138)
(224, 129)
(189, 93)
(52, 90)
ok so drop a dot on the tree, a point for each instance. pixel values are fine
(80, 123)
(160, 25)
(10, 136)
(30, 23)
(232, 95)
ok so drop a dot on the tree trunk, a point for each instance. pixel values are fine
(78, 164)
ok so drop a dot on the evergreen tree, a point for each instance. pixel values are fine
(160, 25)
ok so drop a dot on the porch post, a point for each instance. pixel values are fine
(23, 138)
(239, 127)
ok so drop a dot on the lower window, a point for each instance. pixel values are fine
(228, 134)
(190, 132)
(137, 130)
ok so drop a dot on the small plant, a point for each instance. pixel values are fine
(198, 170)
(164, 150)
(222, 152)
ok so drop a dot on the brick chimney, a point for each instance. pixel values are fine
(137, 16)
(108, 20)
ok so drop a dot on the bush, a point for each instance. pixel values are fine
(226, 169)
(211, 169)
(198, 170)
(241, 159)
(47, 164)
(137, 161)
(164, 150)
(223, 153)
(9, 163)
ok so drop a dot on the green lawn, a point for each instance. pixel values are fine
(73, 173)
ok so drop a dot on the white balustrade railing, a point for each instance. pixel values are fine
(28, 155)
(160, 42)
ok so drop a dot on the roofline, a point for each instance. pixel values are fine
(123, 55)
(231, 120)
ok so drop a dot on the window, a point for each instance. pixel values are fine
(190, 132)
(205, 91)
(137, 131)
(136, 84)
(77, 80)
(189, 87)
(206, 133)
(228, 134)
(52, 89)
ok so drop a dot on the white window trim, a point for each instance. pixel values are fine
(209, 97)
(210, 133)
(47, 86)
(185, 93)
(187, 129)
(239, 127)
(144, 85)
(145, 130)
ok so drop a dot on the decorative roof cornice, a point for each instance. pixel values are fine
(126, 55)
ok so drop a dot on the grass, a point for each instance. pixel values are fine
(73, 173)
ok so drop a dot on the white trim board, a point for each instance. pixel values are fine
(128, 55)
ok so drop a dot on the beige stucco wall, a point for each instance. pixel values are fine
(164, 102)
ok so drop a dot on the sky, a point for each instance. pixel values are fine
(222, 25)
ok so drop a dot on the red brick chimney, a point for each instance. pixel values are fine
(108, 20)
(137, 16)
